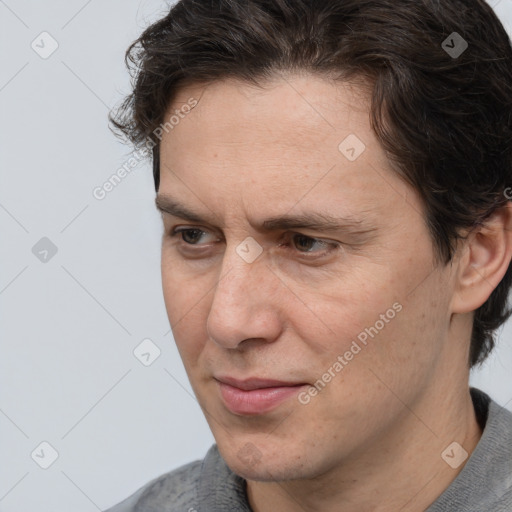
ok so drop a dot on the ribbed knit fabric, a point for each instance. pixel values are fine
(483, 485)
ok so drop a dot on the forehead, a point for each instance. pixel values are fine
(314, 107)
(297, 139)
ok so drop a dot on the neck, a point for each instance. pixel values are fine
(401, 469)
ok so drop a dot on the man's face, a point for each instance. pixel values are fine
(302, 344)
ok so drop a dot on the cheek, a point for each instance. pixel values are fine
(181, 288)
(379, 317)
(373, 361)
(343, 309)
(187, 310)
(400, 348)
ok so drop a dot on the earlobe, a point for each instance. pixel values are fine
(485, 257)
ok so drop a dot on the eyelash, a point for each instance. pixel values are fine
(331, 245)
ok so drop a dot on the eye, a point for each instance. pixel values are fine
(190, 236)
(305, 245)
(309, 245)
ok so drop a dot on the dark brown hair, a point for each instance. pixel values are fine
(444, 120)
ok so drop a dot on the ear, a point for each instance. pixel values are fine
(484, 259)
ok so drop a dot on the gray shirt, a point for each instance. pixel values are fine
(484, 484)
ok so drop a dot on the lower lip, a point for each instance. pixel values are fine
(256, 401)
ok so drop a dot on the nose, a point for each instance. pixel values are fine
(245, 303)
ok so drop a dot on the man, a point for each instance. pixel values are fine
(332, 177)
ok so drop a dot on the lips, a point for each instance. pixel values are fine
(255, 396)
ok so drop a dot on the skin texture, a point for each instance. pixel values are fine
(372, 438)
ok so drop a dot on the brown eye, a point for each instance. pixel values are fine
(308, 247)
(190, 236)
(306, 243)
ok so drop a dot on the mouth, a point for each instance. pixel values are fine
(254, 395)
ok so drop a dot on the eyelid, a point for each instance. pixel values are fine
(331, 245)
(180, 229)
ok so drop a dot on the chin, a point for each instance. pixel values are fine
(264, 472)
(265, 464)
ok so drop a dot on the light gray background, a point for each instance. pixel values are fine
(68, 375)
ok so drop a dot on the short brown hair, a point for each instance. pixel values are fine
(444, 120)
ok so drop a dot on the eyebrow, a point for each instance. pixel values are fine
(310, 220)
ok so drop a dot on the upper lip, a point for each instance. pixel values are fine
(255, 383)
